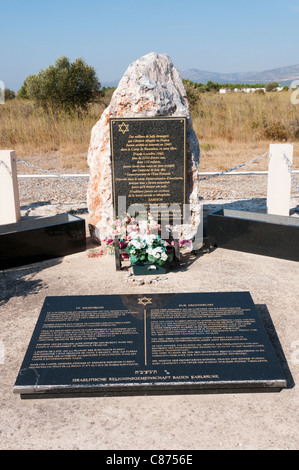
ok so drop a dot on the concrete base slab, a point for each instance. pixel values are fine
(228, 421)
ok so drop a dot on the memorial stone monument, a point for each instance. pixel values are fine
(151, 88)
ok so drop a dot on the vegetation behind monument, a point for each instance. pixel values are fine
(65, 85)
(56, 109)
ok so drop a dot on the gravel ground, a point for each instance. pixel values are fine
(50, 196)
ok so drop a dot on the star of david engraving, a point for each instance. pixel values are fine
(144, 301)
(123, 128)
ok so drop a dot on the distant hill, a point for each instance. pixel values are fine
(282, 75)
(113, 83)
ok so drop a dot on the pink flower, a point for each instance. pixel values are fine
(109, 241)
(184, 242)
(122, 244)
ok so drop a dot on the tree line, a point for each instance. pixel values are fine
(215, 86)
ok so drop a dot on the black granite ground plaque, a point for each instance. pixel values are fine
(148, 162)
(148, 344)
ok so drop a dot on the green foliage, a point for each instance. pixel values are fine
(239, 86)
(215, 87)
(65, 85)
(9, 94)
(272, 86)
(144, 248)
(23, 93)
(193, 94)
(108, 89)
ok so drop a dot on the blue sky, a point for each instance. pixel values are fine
(218, 36)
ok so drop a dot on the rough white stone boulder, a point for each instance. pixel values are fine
(150, 87)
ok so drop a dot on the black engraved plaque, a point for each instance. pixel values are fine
(148, 159)
(148, 344)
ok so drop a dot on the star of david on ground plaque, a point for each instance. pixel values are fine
(145, 301)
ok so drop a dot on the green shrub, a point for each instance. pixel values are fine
(64, 85)
(193, 94)
(9, 94)
(23, 92)
(272, 86)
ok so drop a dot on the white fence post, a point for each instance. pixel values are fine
(9, 192)
(279, 179)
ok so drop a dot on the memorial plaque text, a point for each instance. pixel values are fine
(151, 343)
(148, 162)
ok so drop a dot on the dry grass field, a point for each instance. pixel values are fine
(52, 140)
(236, 127)
(231, 129)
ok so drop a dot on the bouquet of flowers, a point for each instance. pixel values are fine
(149, 248)
(138, 240)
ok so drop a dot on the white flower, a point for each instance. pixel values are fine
(137, 243)
(156, 252)
(149, 239)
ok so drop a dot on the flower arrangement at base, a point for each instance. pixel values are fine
(151, 252)
(138, 240)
